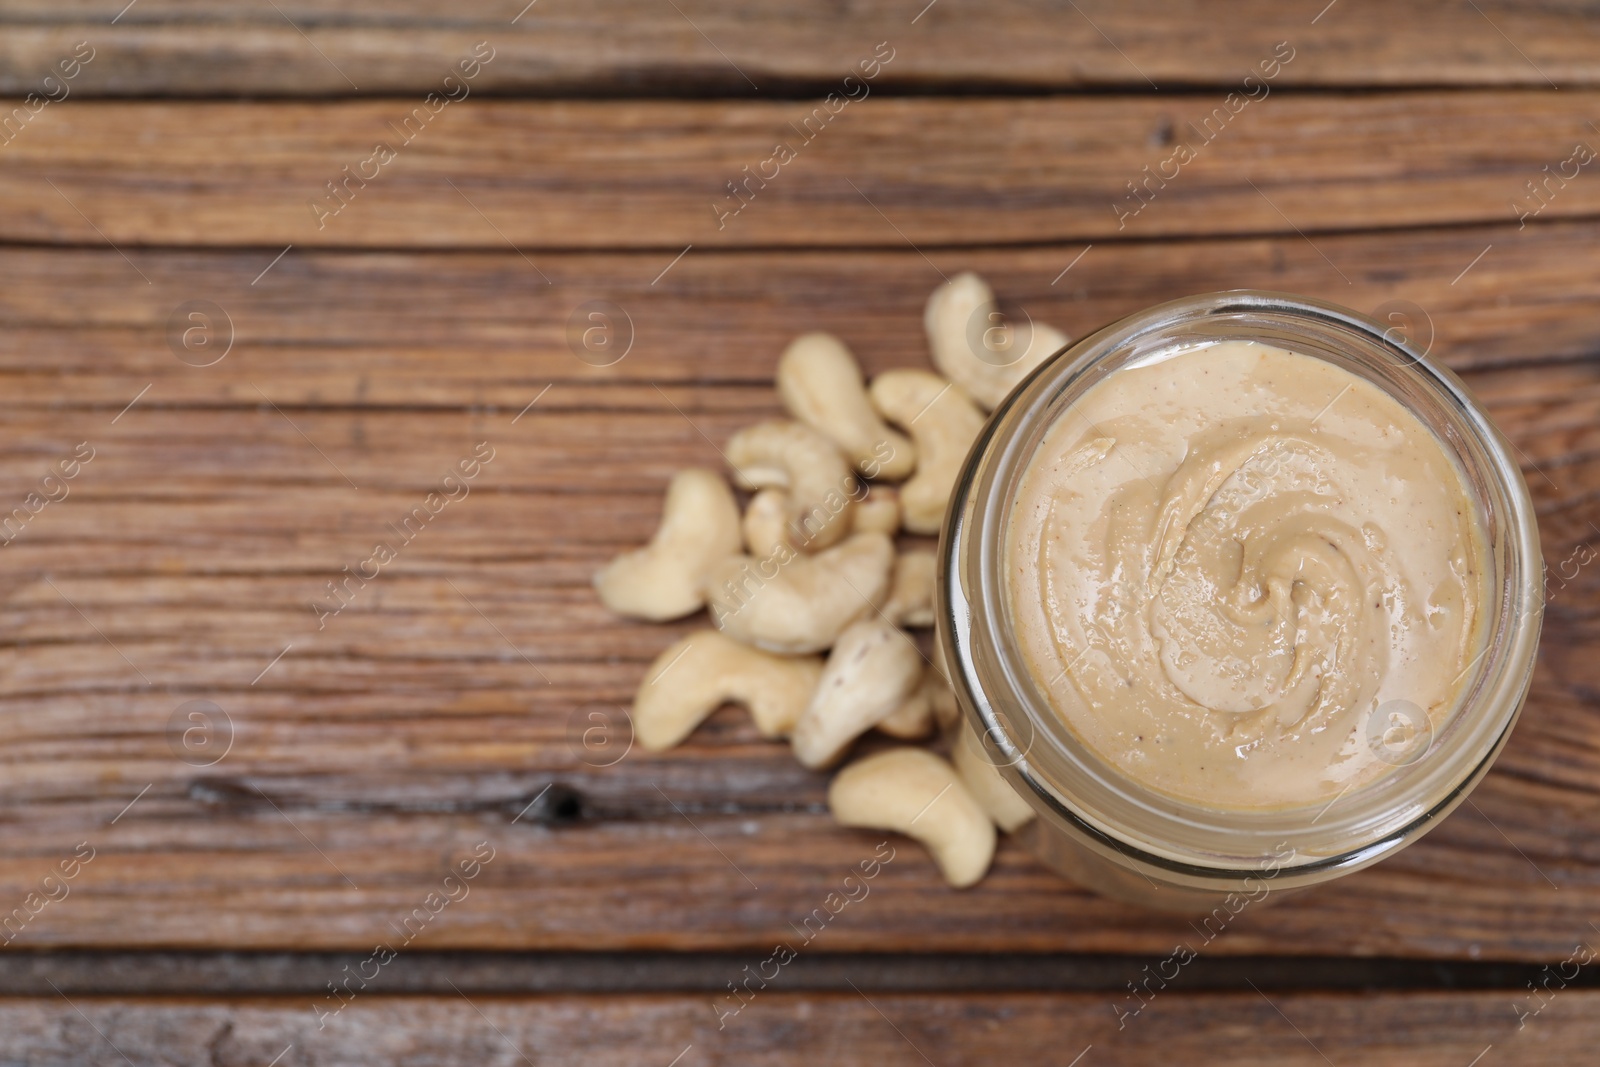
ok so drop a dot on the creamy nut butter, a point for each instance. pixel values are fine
(1226, 563)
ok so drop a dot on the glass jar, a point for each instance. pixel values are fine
(1121, 838)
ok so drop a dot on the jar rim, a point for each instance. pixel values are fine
(1133, 824)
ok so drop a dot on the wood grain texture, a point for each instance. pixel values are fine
(320, 47)
(1251, 1029)
(428, 715)
(884, 172)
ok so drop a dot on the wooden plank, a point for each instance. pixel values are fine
(342, 331)
(182, 973)
(1250, 1029)
(427, 716)
(884, 172)
(314, 48)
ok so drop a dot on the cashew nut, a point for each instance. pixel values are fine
(705, 670)
(943, 422)
(914, 792)
(987, 786)
(788, 455)
(879, 512)
(913, 719)
(765, 532)
(794, 604)
(871, 671)
(910, 600)
(972, 345)
(666, 579)
(821, 385)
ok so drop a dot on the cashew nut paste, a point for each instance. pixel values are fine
(1224, 562)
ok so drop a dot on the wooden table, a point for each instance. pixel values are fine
(269, 371)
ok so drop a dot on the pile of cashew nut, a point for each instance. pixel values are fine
(809, 595)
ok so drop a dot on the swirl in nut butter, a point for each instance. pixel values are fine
(1223, 563)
